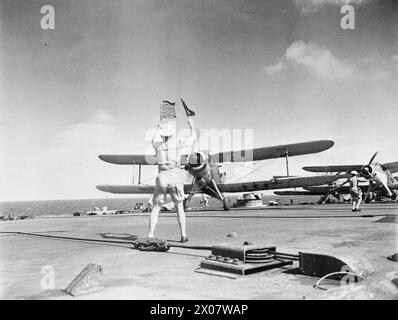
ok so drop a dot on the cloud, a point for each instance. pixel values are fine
(321, 63)
(395, 61)
(95, 131)
(276, 68)
(318, 61)
(315, 59)
(71, 162)
(66, 166)
(311, 6)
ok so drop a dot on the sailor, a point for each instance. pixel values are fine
(169, 180)
(355, 191)
(204, 200)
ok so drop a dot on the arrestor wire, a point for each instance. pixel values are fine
(171, 245)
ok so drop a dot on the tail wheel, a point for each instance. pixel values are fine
(227, 203)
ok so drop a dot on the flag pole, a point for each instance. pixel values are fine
(160, 110)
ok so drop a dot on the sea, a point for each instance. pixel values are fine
(58, 208)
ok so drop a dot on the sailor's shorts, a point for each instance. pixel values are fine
(169, 182)
(356, 194)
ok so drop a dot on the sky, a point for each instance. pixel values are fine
(285, 70)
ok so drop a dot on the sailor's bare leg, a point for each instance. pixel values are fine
(181, 217)
(358, 203)
(153, 219)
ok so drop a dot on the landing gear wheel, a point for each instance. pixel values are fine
(226, 203)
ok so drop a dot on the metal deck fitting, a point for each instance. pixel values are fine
(243, 260)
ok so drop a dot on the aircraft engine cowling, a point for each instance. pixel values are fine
(198, 165)
(367, 171)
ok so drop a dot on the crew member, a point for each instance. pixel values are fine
(169, 180)
(355, 191)
(204, 200)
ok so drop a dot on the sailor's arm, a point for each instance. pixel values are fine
(191, 139)
(157, 140)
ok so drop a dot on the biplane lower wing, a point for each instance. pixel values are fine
(337, 168)
(133, 189)
(281, 183)
(391, 166)
(317, 191)
(298, 193)
(326, 189)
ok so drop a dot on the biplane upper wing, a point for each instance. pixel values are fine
(256, 154)
(391, 166)
(274, 152)
(128, 159)
(338, 168)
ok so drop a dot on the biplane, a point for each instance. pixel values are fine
(207, 178)
(379, 178)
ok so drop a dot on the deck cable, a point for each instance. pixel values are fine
(64, 238)
(170, 245)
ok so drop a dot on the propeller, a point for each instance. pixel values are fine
(364, 171)
(373, 157)
(367, 169)
(373, 174)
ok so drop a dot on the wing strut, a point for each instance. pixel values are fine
(139, 173)
(287, 162)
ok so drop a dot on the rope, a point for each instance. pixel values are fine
(316, 285)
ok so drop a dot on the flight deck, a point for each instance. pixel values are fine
(364, 240)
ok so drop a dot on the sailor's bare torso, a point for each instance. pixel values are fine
(168, 153)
